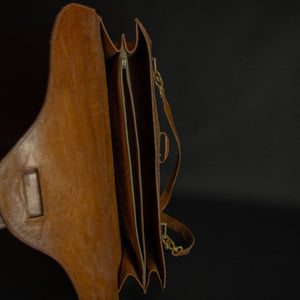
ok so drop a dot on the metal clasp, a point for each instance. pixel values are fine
(157, 78)
(168, 242)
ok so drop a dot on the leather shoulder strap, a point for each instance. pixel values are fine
(166, 195)
(172, 223)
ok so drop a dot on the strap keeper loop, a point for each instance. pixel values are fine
(166, 144)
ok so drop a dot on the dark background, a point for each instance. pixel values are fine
(232, 77)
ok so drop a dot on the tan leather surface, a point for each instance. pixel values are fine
(83, 184)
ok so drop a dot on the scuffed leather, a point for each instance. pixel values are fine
(88, 220)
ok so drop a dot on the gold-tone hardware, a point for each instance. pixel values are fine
(154, 63)
(157, 78)
(168, 242)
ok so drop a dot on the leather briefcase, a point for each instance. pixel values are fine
(83, 183)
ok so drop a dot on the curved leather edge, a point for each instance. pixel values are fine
(183, 231)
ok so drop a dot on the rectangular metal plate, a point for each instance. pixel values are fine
(2, 224)
(33, 193)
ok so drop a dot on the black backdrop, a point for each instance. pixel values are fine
(232, 77)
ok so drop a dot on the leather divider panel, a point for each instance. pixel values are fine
(128, 196)
(33, 193)
(134, 155)
(141, 87)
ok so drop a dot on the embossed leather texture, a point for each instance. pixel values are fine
(82, 185)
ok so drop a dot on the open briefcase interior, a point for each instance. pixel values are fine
(83, 183)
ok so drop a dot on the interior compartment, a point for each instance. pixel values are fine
(135, 159)
(126, 168)
(141, 87)
(131, 115)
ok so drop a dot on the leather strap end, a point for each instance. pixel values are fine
(183, 231)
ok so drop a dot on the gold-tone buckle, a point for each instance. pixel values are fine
(168, 242)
